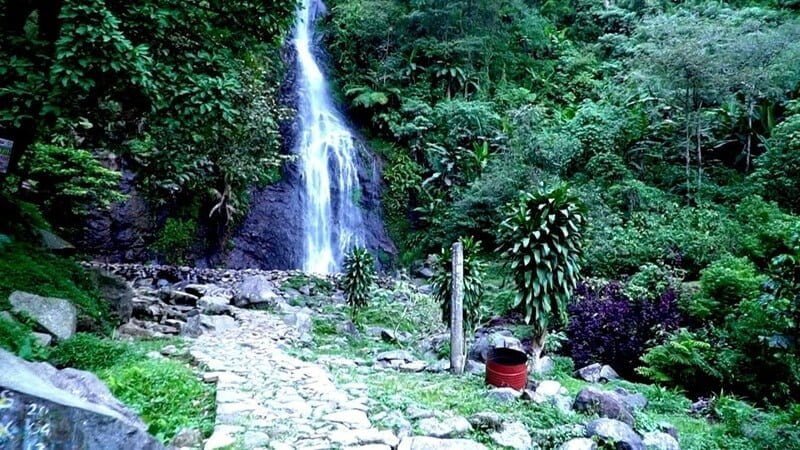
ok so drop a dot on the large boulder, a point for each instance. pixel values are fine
(75, 406)
(56, 315)
(256, 290)
(616, 433)
(481, 347)
(603, 403)
(115, 291)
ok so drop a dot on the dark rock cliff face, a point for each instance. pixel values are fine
(124, 232)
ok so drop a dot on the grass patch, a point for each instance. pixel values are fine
(319, 286)
(166, 394)
(26, 268)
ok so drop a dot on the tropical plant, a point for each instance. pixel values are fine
(68, 182)
(608, 326)
(541, 241)
(473, 282)
(359, 278)
(685, 359)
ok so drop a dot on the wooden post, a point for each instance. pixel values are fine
(457, 353)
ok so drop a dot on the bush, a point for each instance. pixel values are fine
(607, 326)
(723, 285)
(779, 168)
(175, 240)
(68, 182)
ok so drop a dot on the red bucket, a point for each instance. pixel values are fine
(507, 367)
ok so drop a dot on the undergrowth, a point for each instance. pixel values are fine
(26, 268)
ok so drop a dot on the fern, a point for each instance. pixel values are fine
(682, 358)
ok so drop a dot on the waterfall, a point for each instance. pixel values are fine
(327, 157)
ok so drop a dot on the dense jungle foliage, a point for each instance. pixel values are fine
(676, 125)
(182, 93)
(629, 169)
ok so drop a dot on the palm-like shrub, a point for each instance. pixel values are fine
(473, 282)
(541, 241)
(359, 276)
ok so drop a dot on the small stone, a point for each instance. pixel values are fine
(187, 437)
(486, 421)
(398, 424)
(439, 366)
(660, 441)
(590, 373)
(607, 373)
(300, 321)
(414, 412)
(579, 444)
(503, 395)
(414, 366)
(395, 355)
(513, 435)
(254, 439)
(451, 427)
(169, 350)
(349, 417)
(430, 443)
(213, 305)
(550, 388)
(210, 377)
(220, 439)
(217, 324)
(474, 367)
(42, 339)
(615, 432)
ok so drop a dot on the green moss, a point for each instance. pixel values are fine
(24, 267)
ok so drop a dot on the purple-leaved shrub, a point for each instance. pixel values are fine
(607, 326)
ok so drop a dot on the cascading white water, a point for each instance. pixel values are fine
(327, 154)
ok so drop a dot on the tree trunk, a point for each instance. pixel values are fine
(537, 347)
(687, 152)
(699, 147)
(749, 149)
(457, 353)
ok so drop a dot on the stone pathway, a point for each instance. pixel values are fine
(271, 400)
